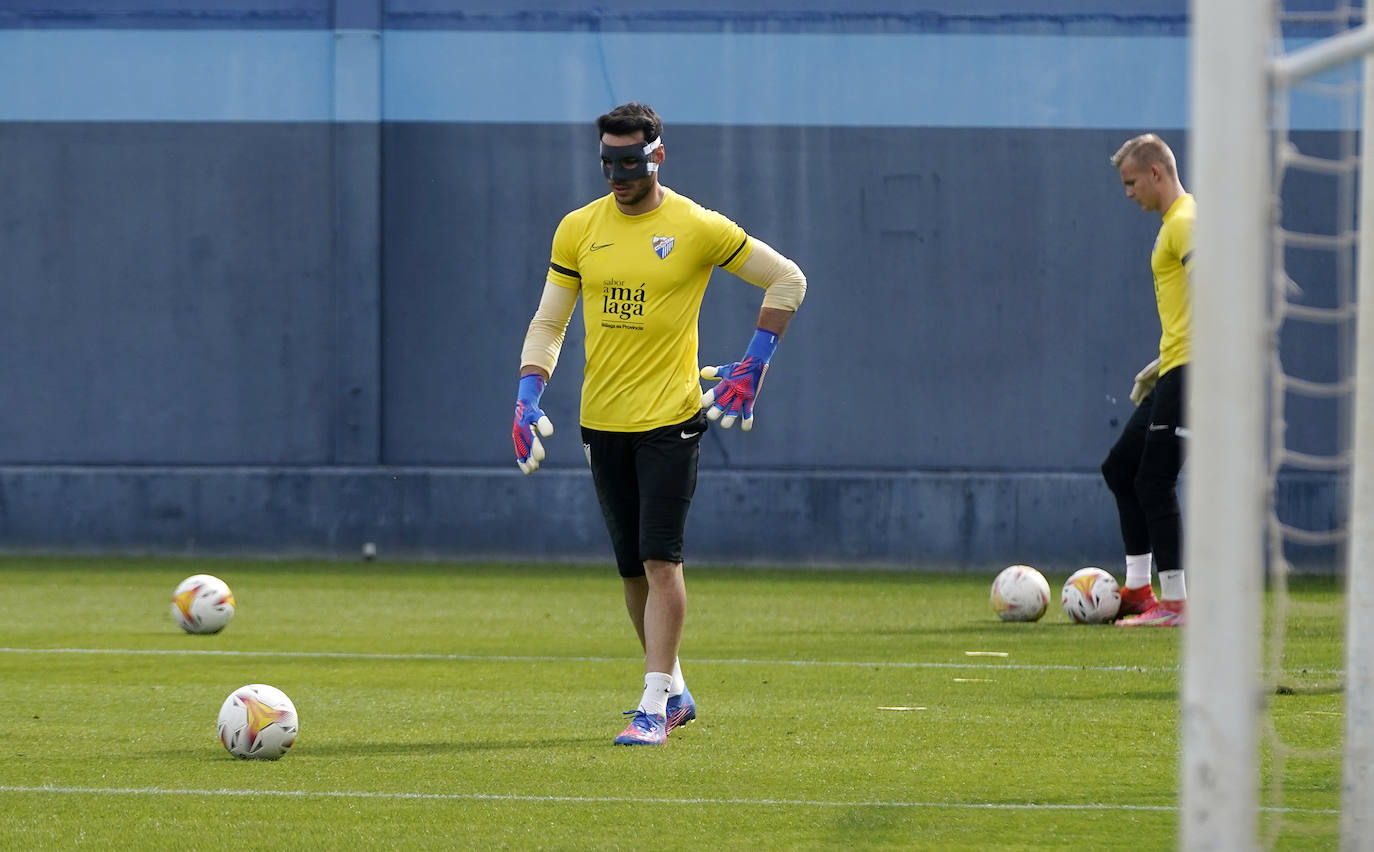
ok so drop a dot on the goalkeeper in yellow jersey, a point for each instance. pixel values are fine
(639, 258)
(1143, 466)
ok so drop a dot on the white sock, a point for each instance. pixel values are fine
(679, 685)
(1138, 570)
(655, 700)
(1171, 586)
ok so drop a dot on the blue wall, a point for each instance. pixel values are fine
(268, 267)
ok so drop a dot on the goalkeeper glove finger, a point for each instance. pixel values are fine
(740, 382)
(530, 423)
(1145, 381)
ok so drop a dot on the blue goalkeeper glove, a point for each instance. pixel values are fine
(739, 383)
(529, 452)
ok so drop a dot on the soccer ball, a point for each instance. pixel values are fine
(1091, 596)
(1020, 593)
(257, 722)
(202, 604)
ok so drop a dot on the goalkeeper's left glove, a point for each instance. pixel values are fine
(1145, 381)
(739, 383)
(529, 452)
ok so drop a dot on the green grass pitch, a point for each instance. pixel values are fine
(473, 706)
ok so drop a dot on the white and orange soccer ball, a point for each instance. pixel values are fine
(202, 604)
(1091, 596)
(257, 722)
(1020, 593)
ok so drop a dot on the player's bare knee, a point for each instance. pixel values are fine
(658, 570)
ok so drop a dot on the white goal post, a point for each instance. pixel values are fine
(1229, 155)
(1236, 72)
(1357, 797)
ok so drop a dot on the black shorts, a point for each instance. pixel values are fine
(645, 482)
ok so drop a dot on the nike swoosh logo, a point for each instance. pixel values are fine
(687, 436)
(596, 247)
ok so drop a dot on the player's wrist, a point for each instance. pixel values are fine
(531, 388)
(762, 346)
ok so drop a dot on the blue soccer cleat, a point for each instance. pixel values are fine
(644, 729)
(681, 709)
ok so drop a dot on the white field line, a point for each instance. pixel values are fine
(349, 655)
(602, 800)
(539, 658)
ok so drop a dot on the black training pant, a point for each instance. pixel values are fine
(1142, 472)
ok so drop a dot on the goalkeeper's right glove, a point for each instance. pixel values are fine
(529, 452)
(1145, 381)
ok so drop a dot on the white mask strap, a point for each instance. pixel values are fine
(649, 148)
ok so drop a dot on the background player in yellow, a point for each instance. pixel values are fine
(1142, 467)
(640, 258)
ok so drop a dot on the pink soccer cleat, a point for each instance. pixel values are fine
(1162, 614)
(1136, 601)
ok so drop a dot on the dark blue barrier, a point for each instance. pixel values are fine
(273, 321)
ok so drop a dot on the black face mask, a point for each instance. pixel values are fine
(613, 157)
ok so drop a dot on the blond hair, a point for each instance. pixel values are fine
(1146, 149)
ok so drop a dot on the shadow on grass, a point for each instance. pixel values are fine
(353, 749)
(1289, 690)
(1018, 628)
(938, 630)
(331, 750)
(1170, 695)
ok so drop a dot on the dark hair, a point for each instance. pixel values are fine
(625, 119)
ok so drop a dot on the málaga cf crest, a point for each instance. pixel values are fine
(663, 245)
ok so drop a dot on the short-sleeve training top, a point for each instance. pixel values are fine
(642, 279)
(1170, 262)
